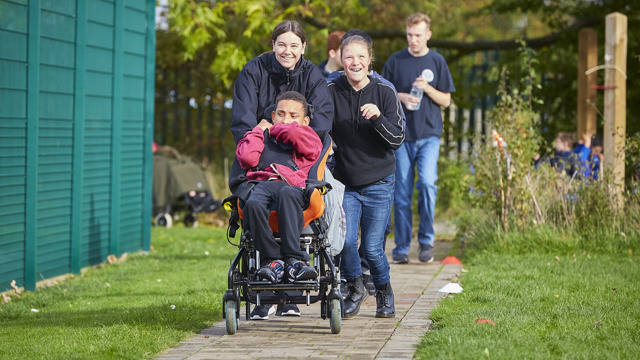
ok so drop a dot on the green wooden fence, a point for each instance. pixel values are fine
(76, 127)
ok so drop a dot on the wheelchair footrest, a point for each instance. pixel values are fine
(311, 285)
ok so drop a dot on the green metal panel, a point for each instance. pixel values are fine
(13, 46)
(78, 140)
(56, 79)
(150, 75)
(101, 12)
(55, 141)
(66, 7)
(58, 26)
(100, 35)
(33, 94)
(14, 16)
(76, 124)
(14, 75)
(116, 130)
(135, 43)
(15, 108)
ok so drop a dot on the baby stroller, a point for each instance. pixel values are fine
(243, 285)
(179, 184)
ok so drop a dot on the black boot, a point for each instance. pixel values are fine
(385, 301)
(356, 295)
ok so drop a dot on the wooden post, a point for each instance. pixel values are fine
(477, 130)
(587, 59)
(453, 142)
(615, 102)
(464, 143)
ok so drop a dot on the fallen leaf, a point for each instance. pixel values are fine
(630, 252)
(14, 287)
(614, 290)
(112, 259)
(5, 298)
(484, 321)
(206, 336)
(557, 258)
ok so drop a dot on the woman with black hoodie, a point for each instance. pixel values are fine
(367, 127)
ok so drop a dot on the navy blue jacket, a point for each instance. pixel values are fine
(260, 82)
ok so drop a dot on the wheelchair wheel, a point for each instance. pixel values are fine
(190, 221)
(335, 321)
(231, 317)
(164, 219)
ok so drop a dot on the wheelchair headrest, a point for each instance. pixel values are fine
(271, 108)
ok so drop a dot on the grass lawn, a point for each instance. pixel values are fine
(131, 310)
(582, 306)
(543, 306)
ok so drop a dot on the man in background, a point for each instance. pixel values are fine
(423, 68)
(332, 63)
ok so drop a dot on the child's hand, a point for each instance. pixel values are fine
(265, 125)
(586, 139)
(370, 111)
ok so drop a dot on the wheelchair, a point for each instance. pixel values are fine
(244, 286)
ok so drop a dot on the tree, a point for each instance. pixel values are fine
(221, 36)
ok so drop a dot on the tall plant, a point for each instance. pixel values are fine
(503, 167)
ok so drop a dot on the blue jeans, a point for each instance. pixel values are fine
(367, 210)
(423, 155)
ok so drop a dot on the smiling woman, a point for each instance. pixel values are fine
(284, 69)
(288, 48)
(367, 128)
(356, 59)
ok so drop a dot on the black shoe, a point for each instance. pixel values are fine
(262, 312)
(356, 295)
(344, 288)
(426, 253)
(272, 272)
(368, 284)
(385, 302)
(298, 270)
(400, 258)
(288, 310)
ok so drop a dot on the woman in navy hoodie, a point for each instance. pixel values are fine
(367, 127)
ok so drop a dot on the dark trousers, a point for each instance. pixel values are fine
(288, 202)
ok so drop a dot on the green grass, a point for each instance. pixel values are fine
(131, 310)
(582, 306)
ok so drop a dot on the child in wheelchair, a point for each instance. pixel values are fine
(279, 155)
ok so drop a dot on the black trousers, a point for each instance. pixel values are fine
(288, 202)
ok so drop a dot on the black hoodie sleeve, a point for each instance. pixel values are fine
(317, 94)
(245, 102)
(389, 124)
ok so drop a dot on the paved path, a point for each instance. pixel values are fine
(415, 286)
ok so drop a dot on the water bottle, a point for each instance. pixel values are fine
(417, 92)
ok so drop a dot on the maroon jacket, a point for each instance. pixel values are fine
(306, 151)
